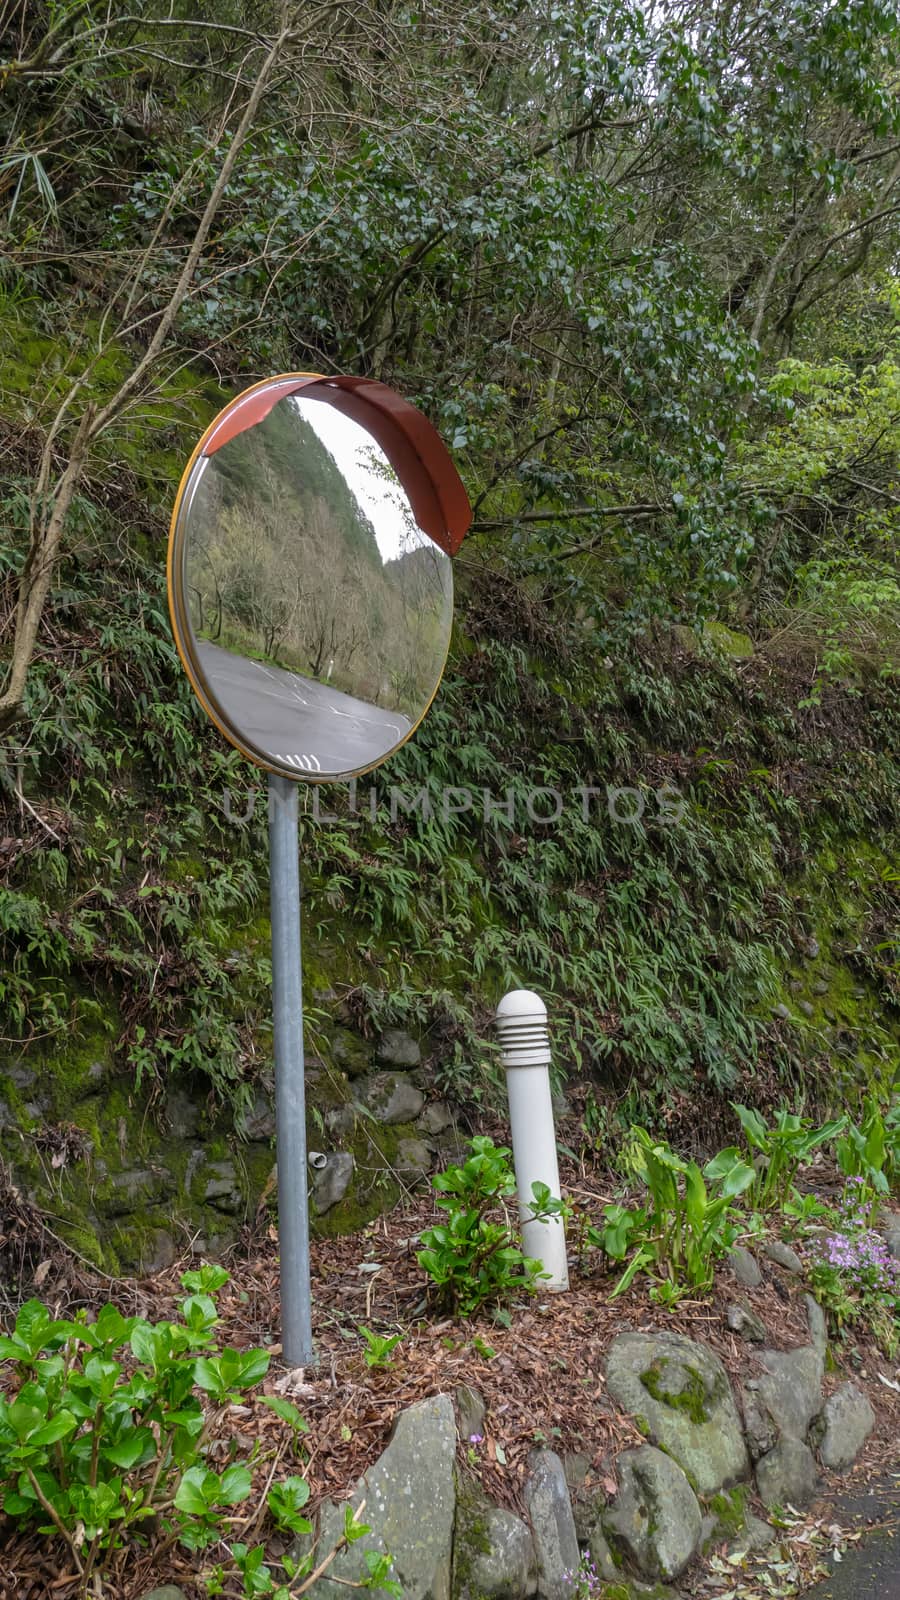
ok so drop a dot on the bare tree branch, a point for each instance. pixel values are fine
(50, 508)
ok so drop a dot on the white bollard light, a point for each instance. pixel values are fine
(525, 1051)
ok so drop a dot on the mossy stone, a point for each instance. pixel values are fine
(681, 1392)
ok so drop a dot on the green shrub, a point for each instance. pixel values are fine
(872, 1150)
(474, 1258)
(104, 1439)
(783, 1147)
(683, 1228)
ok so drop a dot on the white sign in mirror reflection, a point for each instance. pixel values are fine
(320, 611)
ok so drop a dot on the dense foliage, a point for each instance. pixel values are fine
(637, 264)
(672, 1223)
(105, 1444)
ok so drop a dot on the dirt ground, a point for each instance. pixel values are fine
(541, 1378)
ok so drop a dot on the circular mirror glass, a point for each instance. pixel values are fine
(312, 612)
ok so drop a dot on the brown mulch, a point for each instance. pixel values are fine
(541, 1377)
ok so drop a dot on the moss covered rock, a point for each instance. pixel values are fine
(656, 1517)
(679, 1392)
(493, 1551)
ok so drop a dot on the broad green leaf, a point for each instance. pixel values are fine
(191, 1495)
(235, 1485)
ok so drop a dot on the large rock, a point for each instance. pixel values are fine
(552, 1524)
(413, 1160)
(259, 1120)
(436, 1118)
(656, 1517)
(600, 1555)
(493, 1553)
(182, 1114)
(393, 1098)
(743, 1321)
(790, 1390)
(783, 1256)
(138, 1189)
(787, 1475)
(818, 1328)
(679, 1391)
(759, 1429)
(351, 1053)
(889, 1225)
(398, 1049)
(755, 1535)
(332, 1181)
(470, 1411)
(410, 1497)
(589, 1508)
(846, 1422)
(159, 1251)
(222, 1189)
(745, 1267)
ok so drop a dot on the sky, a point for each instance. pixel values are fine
(375, 487)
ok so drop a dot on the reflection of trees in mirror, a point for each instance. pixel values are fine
(290, 564)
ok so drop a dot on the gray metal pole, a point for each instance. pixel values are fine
(290, 1097)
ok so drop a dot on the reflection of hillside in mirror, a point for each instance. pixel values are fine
(320, 610)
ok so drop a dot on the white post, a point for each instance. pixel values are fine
(525, 1051)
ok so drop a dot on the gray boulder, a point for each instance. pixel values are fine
(818, 1328)
(139, 1188)
(332, 1181)
(552, 1525)
(743, 1321)
(159, 1251)
(656, 1517)
(182, 1114)
(787, 1475)
(341, 1120)
(783, 1255)
(755, 1535)
(759, 1429)
(680, 1392)
(351, 1053)
(410, 1504)
(413, 1160)
(222, 1188)
(745, 1267)
(790, 1390)
(889, 1225)
(846, 1422)
(398, 1049)
(577, 1468)
(589, 1509)
(493, 1553)
(600, 1554)
(259, 1120)
(470, 1409)
(391, 1097)
(436, 1118)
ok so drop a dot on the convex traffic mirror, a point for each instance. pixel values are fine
(310, 572)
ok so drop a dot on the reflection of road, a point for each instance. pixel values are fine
(301, 723)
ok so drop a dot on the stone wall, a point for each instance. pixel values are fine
(131, 1178)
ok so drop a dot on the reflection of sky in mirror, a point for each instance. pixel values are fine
(369, 476)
